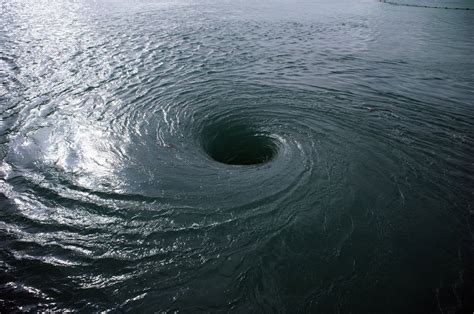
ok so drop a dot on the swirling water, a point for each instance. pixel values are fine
(114, 112)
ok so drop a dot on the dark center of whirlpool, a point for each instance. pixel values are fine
(238, 144)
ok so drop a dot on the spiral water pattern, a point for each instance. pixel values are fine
(207, 156)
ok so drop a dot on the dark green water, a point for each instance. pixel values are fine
(243, 156)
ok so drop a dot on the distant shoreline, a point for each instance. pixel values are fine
(424, 6)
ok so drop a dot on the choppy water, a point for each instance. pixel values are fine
(112, 113)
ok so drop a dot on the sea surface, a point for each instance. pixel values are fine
(237, 156)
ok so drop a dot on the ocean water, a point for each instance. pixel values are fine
(236, 156)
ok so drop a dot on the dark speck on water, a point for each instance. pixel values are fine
(237, 156)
